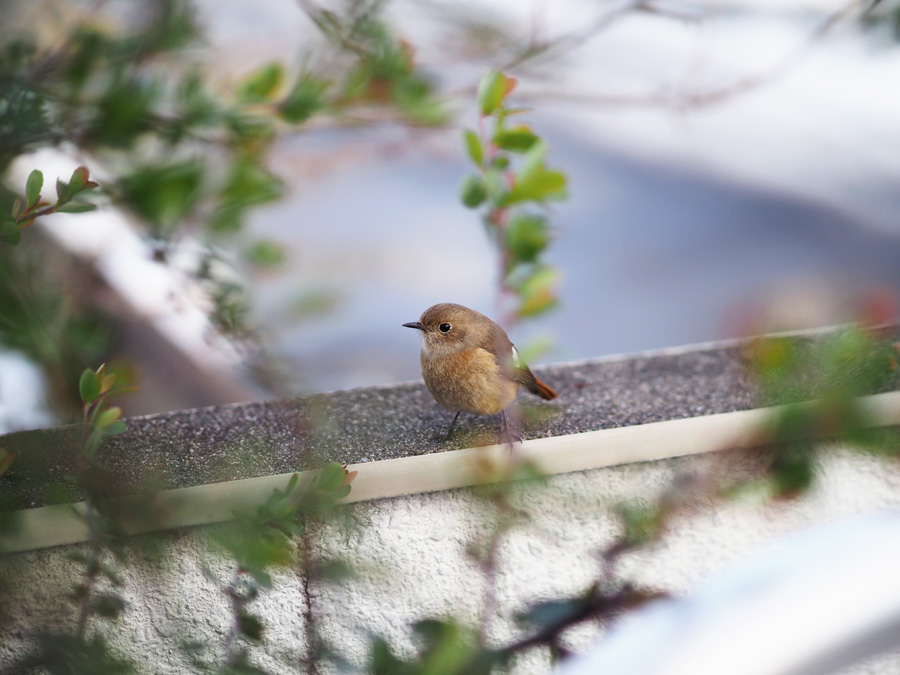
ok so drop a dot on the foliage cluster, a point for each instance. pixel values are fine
(187, 158)
(512, 180)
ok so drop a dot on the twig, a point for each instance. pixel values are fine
(93, 568)
(712, 96)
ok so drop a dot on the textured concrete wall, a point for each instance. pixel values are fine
(410, 556)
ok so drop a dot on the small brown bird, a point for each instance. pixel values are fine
(469, 364)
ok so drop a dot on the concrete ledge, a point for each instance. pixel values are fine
(223, 443)
(199, 465)
(47, 526)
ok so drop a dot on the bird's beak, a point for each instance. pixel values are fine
(414, 324)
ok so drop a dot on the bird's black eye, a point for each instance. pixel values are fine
(445, 327)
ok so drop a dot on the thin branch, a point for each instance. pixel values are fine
(538, 48)
(698, 99)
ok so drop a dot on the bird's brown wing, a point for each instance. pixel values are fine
(507, 359)
(526, 378)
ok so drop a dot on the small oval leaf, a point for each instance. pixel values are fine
(474, 147)
(33, 188)
(472, 191)
(89, 386)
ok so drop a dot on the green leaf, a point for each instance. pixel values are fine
(17, 208)
(537, 291)
(472, 191)
(115, 428)
(262, 84)
(495, 185)
(474, 147)
(33, 188)
(107, 417)
(250, 626)
(335, 571)
(89, 386)
(500, 162)
(331, 477)
(266, 253)
(304, 100)
(76, 207)
(534, 182)
(163, 194)
(249, 127)
(124, 110)
(78, 180)
(516, 139)
(61, 190)
(491, 90)
(93, 442)
(10, 233)
(292, 483)
(526, 236)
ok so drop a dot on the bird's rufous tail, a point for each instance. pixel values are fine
(543, 390)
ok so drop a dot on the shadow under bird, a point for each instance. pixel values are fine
(470, 365)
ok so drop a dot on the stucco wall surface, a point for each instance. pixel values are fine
(411, 562)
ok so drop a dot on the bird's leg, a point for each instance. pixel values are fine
(508, 435)
(452, 424)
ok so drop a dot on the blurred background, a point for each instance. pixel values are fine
(732, 167)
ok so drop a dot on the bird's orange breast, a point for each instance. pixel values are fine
(468, 380)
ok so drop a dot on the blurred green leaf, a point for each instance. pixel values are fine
(89, 386)
(265, 253)
(107, 417)
(124, 111)
(641, 522)
(163, 194)
(491, 91)
(495, 185)
(261, 85)
(331, 477)
(249, 128)
(335, 571)
(537, 291)
(515, 139)
(474, 147)
(61, 654)
(472, 191)
(10, 232)
(449, 647)
(24, 119)
(196, 106)
(93, 442)
(414, 96)
(33, 188)
(527, 236)
(304, 100)
(382, 661)
(250, 626)
(250, 183)
(76, 207)
(793, 470)
(534, 182)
